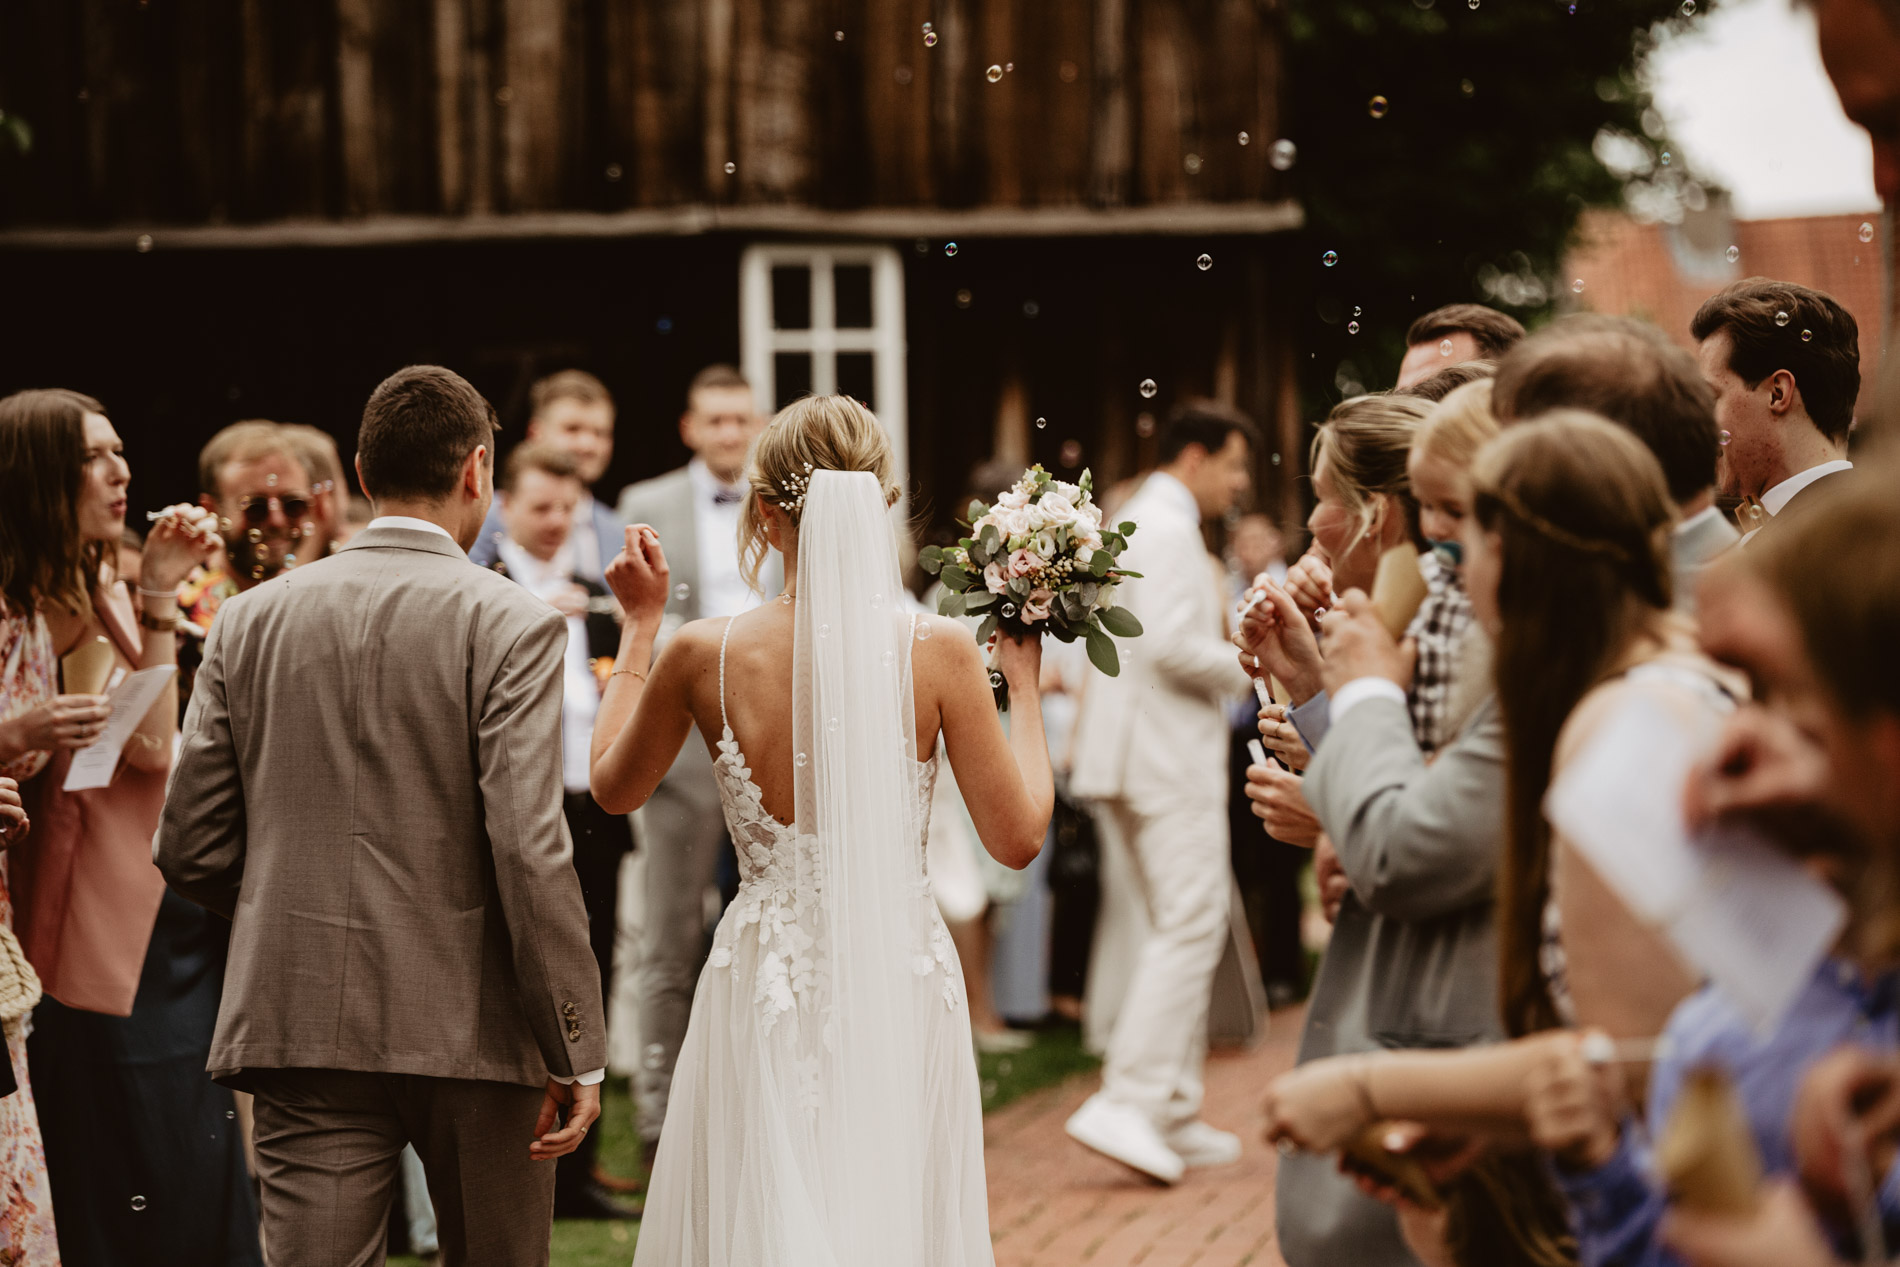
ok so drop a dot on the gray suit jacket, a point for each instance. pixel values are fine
(1413, 957)
(666, 502)
(370, 790)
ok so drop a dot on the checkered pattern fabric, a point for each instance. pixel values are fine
(1437, 629)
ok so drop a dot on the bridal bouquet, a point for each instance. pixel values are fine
(1039, 561)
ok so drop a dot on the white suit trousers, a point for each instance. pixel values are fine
(1179, 857)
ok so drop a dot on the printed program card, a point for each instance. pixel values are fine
(131, 700)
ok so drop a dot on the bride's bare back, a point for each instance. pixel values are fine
(1004, 778)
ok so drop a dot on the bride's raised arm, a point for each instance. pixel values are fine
(1004, 777)
(644, 716)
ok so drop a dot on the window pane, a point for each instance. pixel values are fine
(791, 372)
(855, 378)
(852, 285)
(791, 297)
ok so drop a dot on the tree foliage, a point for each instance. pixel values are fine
(1466, 182)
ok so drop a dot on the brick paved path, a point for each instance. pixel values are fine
(1054, 1203)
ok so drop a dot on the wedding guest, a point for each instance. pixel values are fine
(253, 477)
(539, 489)
(1454, 333)
(146, 1162)
(572, 412)
(1784, 363)
(1411, 961)
(695, 510)
(1448, 380)
(369, 788)
(1150, 757)
(1628, 372)
(329, 486)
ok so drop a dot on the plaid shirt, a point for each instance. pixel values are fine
(1438, 629)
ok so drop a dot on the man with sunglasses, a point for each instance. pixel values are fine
(254, 479)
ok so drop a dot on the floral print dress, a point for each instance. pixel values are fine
(28, 676)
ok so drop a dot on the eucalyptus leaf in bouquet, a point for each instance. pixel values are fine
(1039, 561)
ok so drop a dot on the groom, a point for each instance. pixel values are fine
(370, 790)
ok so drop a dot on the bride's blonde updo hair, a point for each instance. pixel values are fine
(813, 433)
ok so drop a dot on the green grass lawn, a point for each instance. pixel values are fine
(1057, 1055)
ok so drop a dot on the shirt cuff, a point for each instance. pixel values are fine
(1310, 721)
(593, 1077)
(1616, 1206)
(1361, 689)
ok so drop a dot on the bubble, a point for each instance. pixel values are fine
(290, 560)
(996, 679)
(1444, 348)
(1148, 389)
(1357, 311)
(1031, 308)
(1576, 287)
(1722, 437)
(1665, 158)
(831, 725)
(731, 167)
(1471, 4)
(824, 631)
(1009, 610)
(1377, 107)
(838, 36)
(1245, 139)
(230, 1114)
(926, 28)
(1275, 459)
(1467, 87)
(949, 248)
(655, 1055)
(1192, 164)
(1204, 263)
(1781, 318)
(964, 298)
(889, 658)
(930, 39)
(994, 74)
(1067, 72)
(682, 591)
(138, 1203)
(144, 243)
(1866, 233)
(1806, 335)
(1009, 67)
(1144, 424)
(1282, 154)
(1688, 8)
(801, 761)
(923, 630)
(877, 602)
(1330, 258)
(901, 74)
(1352, 327)
(1042, 424)
(1733, 253)
(614, 172)
(1071, 453)
(255, 534)
(989, 1088)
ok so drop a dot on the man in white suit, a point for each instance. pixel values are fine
(1151, 754)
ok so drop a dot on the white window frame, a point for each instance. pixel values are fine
(759, 341)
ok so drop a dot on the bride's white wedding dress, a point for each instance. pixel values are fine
(825, 1110)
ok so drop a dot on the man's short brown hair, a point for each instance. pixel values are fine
(419, 426)
(715, 377)
(1448, 380)
(537, 457)
(1495, 332)
(1624, 370)
(568, 385)
(244, 442)
(1817, 341)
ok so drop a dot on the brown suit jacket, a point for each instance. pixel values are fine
(370, 790)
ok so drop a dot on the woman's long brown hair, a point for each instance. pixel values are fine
(42, 471)
(1582, 516)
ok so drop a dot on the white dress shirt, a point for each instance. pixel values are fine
(722, 591)
(411, 523)
(1775, 499)
(580, 690)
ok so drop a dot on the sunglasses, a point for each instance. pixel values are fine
(256, 510)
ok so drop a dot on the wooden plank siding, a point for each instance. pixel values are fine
(215, 112)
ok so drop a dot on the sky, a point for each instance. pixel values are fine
(1751, 108)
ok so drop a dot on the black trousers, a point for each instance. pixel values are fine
(1268, 873)
(601, 840)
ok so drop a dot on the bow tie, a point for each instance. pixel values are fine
(727, 497)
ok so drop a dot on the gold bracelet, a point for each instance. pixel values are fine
(157, 624)
(629, 672)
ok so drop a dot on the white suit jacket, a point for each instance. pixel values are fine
(1159, 731)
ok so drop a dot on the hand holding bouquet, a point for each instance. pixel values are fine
(1039, 561)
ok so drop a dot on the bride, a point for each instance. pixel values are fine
(825, 1107)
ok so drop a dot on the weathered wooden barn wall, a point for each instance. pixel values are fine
(244, 111)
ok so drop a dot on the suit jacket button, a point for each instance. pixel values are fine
(574, 1033)
(568, 1009)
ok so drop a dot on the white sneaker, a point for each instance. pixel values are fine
(1126, 1135)
(1198, 1144)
